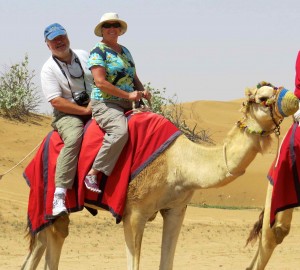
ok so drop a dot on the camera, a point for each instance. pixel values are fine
(82, 98)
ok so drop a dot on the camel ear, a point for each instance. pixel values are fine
(250, 94)
(247, 92)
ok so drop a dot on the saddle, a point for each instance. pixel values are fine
(149, 135)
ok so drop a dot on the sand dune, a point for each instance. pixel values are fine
(210, 238)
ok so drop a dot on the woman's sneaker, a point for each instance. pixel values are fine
(90, 182)
(59, 208)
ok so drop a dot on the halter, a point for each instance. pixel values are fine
(270, 103)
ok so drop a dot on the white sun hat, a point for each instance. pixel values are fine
(106, 17)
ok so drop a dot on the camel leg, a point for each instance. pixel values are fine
(271, 237)
(55, 239)
(173, 219)
(50, 239)
(34, 256)
(134, 224)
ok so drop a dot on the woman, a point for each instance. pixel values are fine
(116, 86)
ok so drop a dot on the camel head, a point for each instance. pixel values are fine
(265, 108)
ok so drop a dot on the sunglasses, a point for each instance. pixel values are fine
(109, 25)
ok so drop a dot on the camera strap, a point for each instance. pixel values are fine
(64, 73)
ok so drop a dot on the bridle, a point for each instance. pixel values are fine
(272, 104)
(277, 109)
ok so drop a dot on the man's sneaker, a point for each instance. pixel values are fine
(59, 208)
(90, 182)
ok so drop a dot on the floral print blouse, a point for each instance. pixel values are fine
(120, 69)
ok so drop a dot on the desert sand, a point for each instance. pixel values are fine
(210, 239)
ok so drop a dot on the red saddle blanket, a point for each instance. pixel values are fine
(284, 174)
(149, 135)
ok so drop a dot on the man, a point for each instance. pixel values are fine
(66, 83)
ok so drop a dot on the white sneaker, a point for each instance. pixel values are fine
(59, 208)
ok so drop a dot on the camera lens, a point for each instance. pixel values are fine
(81, 98)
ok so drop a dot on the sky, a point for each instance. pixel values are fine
(195, 49)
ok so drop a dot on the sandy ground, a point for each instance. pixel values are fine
(210, 238)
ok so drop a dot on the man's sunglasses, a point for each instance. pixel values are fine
(109, 25)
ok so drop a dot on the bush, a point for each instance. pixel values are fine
(18, 95)
(173, 111)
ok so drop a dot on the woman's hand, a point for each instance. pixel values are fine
(138, 95)
(147, 95)
(135, 95)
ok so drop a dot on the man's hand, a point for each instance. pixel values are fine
(89, 109)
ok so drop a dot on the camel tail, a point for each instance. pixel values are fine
(30, 237)
(256, 230)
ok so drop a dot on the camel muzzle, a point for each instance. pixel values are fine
(287, 103)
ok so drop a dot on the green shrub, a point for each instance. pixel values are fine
(18, 95)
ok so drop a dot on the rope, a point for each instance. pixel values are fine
(143, 108)
(278, 149)
(1, 175)
(228, 174)
(277, 125)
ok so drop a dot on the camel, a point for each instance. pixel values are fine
(168, 183)
(271, 236)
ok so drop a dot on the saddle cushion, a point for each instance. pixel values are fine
(284, 174)
(149, 135)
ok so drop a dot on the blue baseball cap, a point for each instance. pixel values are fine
(54, 30)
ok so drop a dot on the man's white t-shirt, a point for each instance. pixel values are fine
(54, 82)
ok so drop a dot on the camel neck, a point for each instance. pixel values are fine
(209, 166)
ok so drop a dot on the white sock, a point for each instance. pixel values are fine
(60, 190)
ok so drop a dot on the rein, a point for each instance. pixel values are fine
(276, 130)
(269, 103)
(228, 173)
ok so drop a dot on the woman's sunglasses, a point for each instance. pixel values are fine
(109, 25)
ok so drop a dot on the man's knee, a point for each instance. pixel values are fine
(73, 140)
(71, 130)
